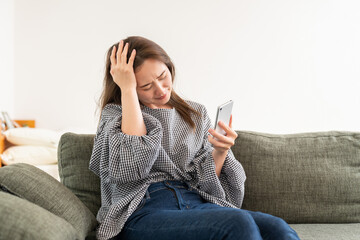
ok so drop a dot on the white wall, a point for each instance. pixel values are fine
(290, 66)
(7, 56)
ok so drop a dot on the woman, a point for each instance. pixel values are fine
(163, 174)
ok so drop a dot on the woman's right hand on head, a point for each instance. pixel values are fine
(121, 71)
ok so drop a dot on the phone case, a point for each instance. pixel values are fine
(223, 114)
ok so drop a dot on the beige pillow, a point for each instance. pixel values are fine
(33, 136)
(34, 155)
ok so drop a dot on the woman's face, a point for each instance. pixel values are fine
(154, 83)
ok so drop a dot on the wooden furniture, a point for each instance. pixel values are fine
(5, 144)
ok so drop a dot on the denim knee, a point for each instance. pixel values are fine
(272, 227)
(240, 225)
(284, 231)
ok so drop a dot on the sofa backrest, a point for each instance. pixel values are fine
(74, 152)
(302, 178)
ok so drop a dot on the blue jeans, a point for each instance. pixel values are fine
(172, 210)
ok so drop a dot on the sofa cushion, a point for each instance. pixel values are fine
(21, 219)
(36, 186)
(341, 231)
(74, 154)
(304, 177)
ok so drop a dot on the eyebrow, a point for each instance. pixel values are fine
(150, 82)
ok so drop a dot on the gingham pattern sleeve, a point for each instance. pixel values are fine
(128, 158)
(205, 164)
(232, 177)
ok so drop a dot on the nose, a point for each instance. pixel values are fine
(160, 90)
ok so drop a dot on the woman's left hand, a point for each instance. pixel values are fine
(222, 143)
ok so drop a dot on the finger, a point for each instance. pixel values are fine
(230, 124)
(124, 53)
(210, 139)
(118, 54)
(217, 135)
(220, 137)
(112, 57)
(132, 57)
(218, 144)
(224, 126)
(227, 129)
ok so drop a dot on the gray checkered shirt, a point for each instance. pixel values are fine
(170, 150)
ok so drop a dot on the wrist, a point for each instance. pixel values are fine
(220, 153)
(219, 159)
(129, 90)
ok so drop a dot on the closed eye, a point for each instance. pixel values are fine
(145, 89)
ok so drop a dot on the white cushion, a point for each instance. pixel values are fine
(33, 136)
(34, 155)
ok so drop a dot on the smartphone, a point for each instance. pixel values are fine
(223, 114)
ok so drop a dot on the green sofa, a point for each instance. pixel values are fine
(312, 180)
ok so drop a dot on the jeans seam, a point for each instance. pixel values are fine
(157, 189)
(180, 199)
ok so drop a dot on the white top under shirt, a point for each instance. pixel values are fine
(170, 150)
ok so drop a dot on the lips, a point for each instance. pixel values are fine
(162, 97)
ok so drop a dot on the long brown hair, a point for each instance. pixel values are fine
(145, 49)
